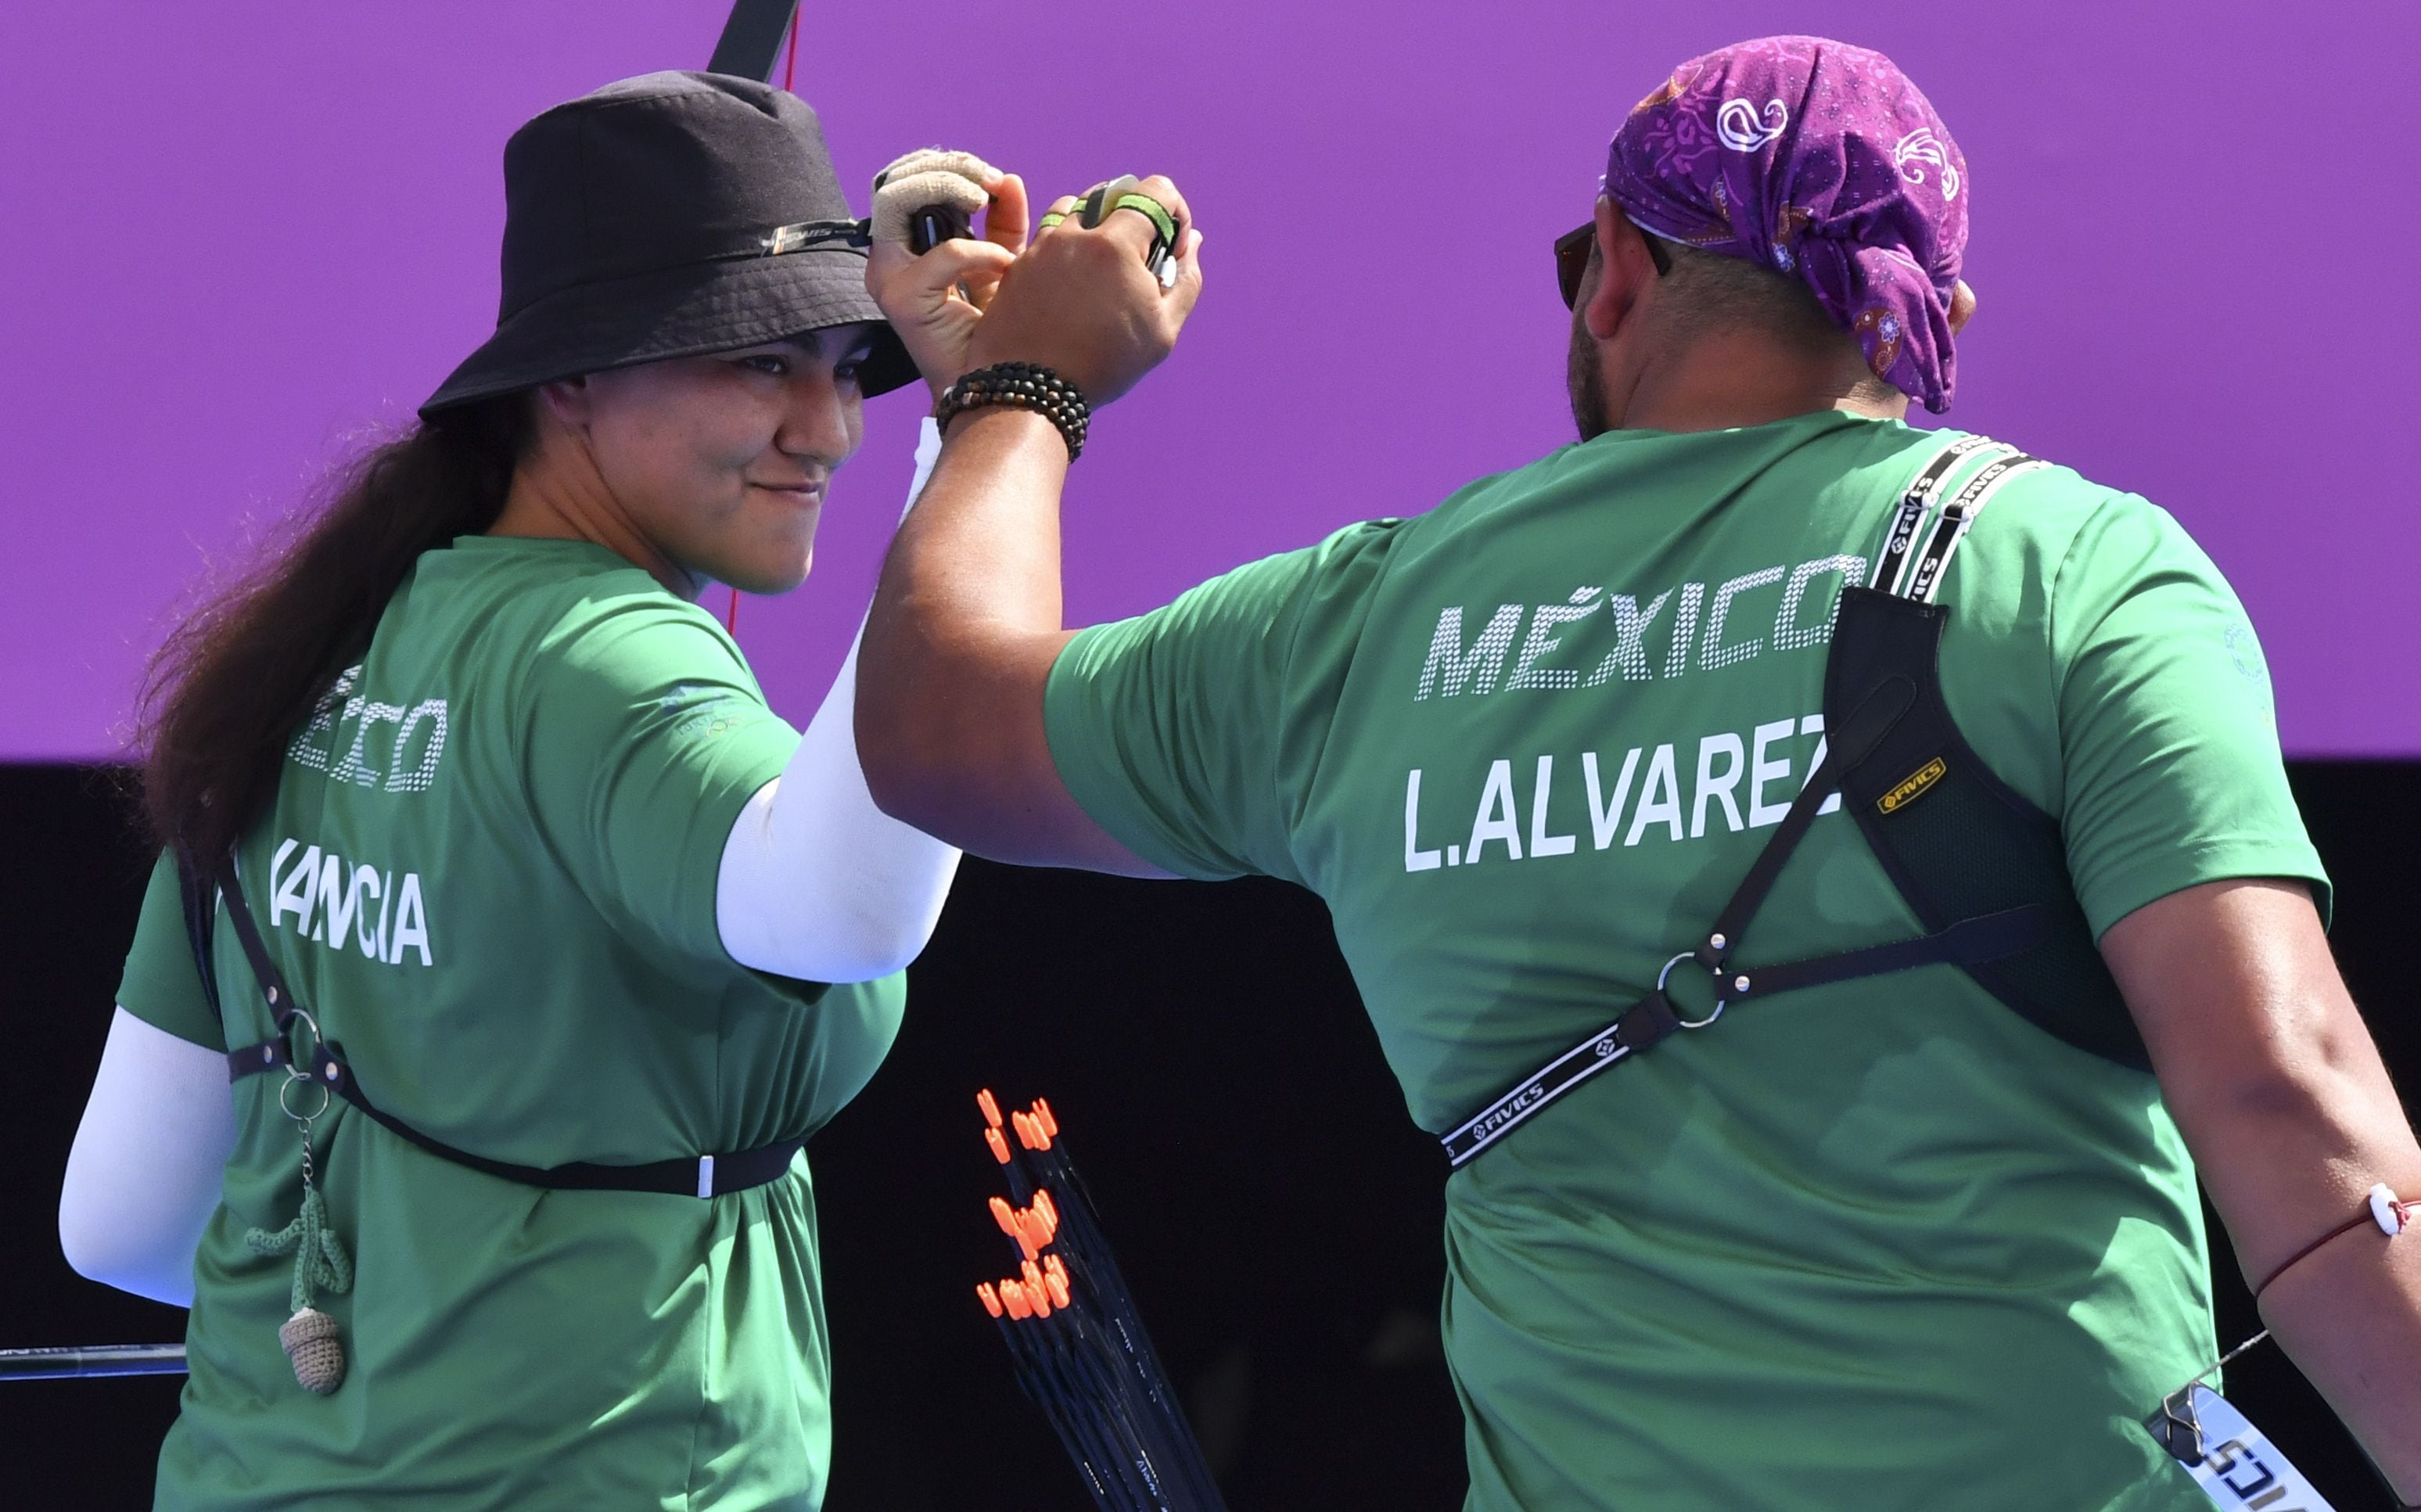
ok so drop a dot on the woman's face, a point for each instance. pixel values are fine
(724, 461)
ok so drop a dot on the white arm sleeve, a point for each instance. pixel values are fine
(815, 882)
(142, 1178)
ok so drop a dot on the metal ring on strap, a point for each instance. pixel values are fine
(1667, 976)
(304, 1078)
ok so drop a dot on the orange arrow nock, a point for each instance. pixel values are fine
(1038, 1293)
(989, 1298)
(1032, 1233)
(991, 1109)
(1011, 1223)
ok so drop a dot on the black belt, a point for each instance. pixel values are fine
(705, 1176)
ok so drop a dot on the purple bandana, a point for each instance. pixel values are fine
(1822, 160)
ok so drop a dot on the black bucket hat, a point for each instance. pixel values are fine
(667, 216)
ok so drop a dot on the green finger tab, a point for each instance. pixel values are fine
(1152, 210)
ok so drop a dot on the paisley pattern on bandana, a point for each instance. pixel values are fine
(1821, 161)
(1878, 330)
(1788, 223)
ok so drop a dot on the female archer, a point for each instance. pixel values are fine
(532, 944)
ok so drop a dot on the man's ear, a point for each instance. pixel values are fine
(1962, 306)
(1619, 272)
(566, 400)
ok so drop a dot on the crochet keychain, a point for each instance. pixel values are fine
(309, 1337)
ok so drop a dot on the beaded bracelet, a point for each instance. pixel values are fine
(1020, 385)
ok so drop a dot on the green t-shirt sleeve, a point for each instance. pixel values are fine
(1190, 733)
(644, 736)
(2168, 735)
(163, 985)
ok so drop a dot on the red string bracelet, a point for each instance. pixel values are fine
(2385, 1209)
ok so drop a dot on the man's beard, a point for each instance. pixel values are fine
(1585, 384)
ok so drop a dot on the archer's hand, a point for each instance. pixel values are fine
(935, 301)
(1081, 304)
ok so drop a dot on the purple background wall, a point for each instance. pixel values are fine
(235, 239)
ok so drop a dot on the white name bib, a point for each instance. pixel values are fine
(2242, 1470)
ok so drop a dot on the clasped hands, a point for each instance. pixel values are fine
(1074, 298)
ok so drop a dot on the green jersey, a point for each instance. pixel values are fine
(490, 872)
(1879, 1243)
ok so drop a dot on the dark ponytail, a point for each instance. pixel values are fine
(226, 692)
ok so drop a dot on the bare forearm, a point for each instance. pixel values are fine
(951, 723)
(2275, 1084)
(958, 649)
(2286, 1165)
(971, 578)
(2288, 1158)
(981, 548)
(2350, 1317)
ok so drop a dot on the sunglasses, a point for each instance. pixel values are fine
(1572, 255)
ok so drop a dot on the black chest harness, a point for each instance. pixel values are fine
(323, 1064)
(1983, 869)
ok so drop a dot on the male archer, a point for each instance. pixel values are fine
(1805, 1230)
